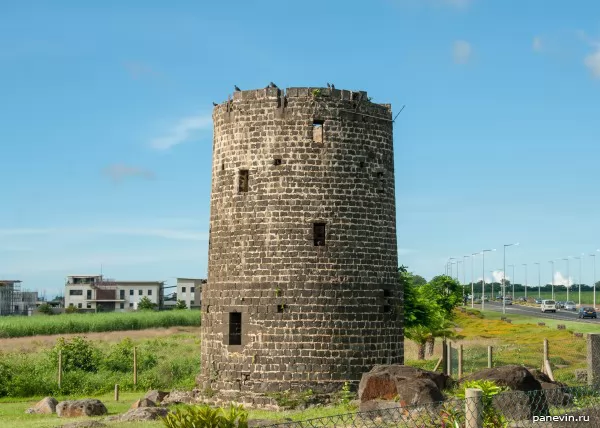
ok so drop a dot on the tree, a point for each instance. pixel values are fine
(180, 305)
(418, 280)
(45, 308)
(145, 304)
(444, 291)
(71, 310)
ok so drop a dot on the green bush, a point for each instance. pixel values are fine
(78, 353)
(45, 308)
(180, 305)
(207, 417)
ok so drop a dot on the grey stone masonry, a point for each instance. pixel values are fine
(302, 280)
(593, 359)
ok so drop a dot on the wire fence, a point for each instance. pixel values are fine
(557, 408)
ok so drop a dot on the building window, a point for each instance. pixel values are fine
(75, 292)
(89, 306)
(131, 305)
(243, 180)
(192, 290)
(235, 328)
(319, 234)
(191, 303)
(79, 305)
(149, 292)
(318, 131)
(122, 294)
(140, 292)
(131, 292)
(122, 305)
(183, 289)
(89, 294)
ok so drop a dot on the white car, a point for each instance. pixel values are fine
(570, 306)
(548, 305)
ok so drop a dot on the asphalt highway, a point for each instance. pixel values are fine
(560, 314)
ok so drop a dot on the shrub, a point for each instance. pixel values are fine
(145, 304)
(207, 417)
(45, 308)
(78, 353)
(71, 310)
(180, 305)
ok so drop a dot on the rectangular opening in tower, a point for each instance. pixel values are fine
(381, 182)
(319, 234)
(243, 180)
(318, 130)
(235, 328)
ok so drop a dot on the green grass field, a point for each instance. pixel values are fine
(19, 326)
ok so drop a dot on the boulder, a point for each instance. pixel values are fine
(156, 396)
(45, 406)
(144, 402)
(515, 377)
(409, 386)
(77, 408)
(140, 414)
(179, 397)
(84, 424)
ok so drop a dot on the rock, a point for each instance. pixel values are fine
(84, 424)
(156, 396)
(408, 385)
(144, 402)
(178, 397)
(77, 408)
(514, 377)
(515, 405)
(45, 406)
(142, 414)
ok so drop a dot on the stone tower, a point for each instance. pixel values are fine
(302, 278)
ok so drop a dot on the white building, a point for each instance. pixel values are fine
(94, 293)
(190, 291)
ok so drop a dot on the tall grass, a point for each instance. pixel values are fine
(19, 326)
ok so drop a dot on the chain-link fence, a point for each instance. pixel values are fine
(557, 408)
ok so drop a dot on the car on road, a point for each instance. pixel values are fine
(587, 312)
(560, 304)
(538, 301)
(548, 306)
(507, 301)
(570, 306)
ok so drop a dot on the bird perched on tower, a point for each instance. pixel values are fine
(236, 88)
(215, 104)
(272, 85)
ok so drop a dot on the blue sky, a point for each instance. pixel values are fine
(105, 130)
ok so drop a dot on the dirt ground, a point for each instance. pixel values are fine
(33, 343)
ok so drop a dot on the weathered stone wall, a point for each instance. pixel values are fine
(312, 316)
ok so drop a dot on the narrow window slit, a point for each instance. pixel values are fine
(281, 308)
(318, 130)
(243, 180)
(277, 161)
(235, 328)
(319, 234)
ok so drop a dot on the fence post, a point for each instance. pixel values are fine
(489, 357)
(59, 367)
(135, 365)
(460, 361)
(545, 357)
(449, 360)
(444, 357)
(593, 359)
(473, 408)
(116, 392)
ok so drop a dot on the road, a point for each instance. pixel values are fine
(560, 314)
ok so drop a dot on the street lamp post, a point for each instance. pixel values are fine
(513, 280)
(579, 258)
(524, 264)
(483, 277)
(594, 256)
(504, 278)
(464, 274)
(568, 279)
(539, 281)
(472, 283)
(552, 263)
(458, 262)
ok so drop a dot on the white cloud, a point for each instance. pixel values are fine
(461, 51)
(118, 172)
(560, 279)
(182, 131)
(497, 274)
(538, 44)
